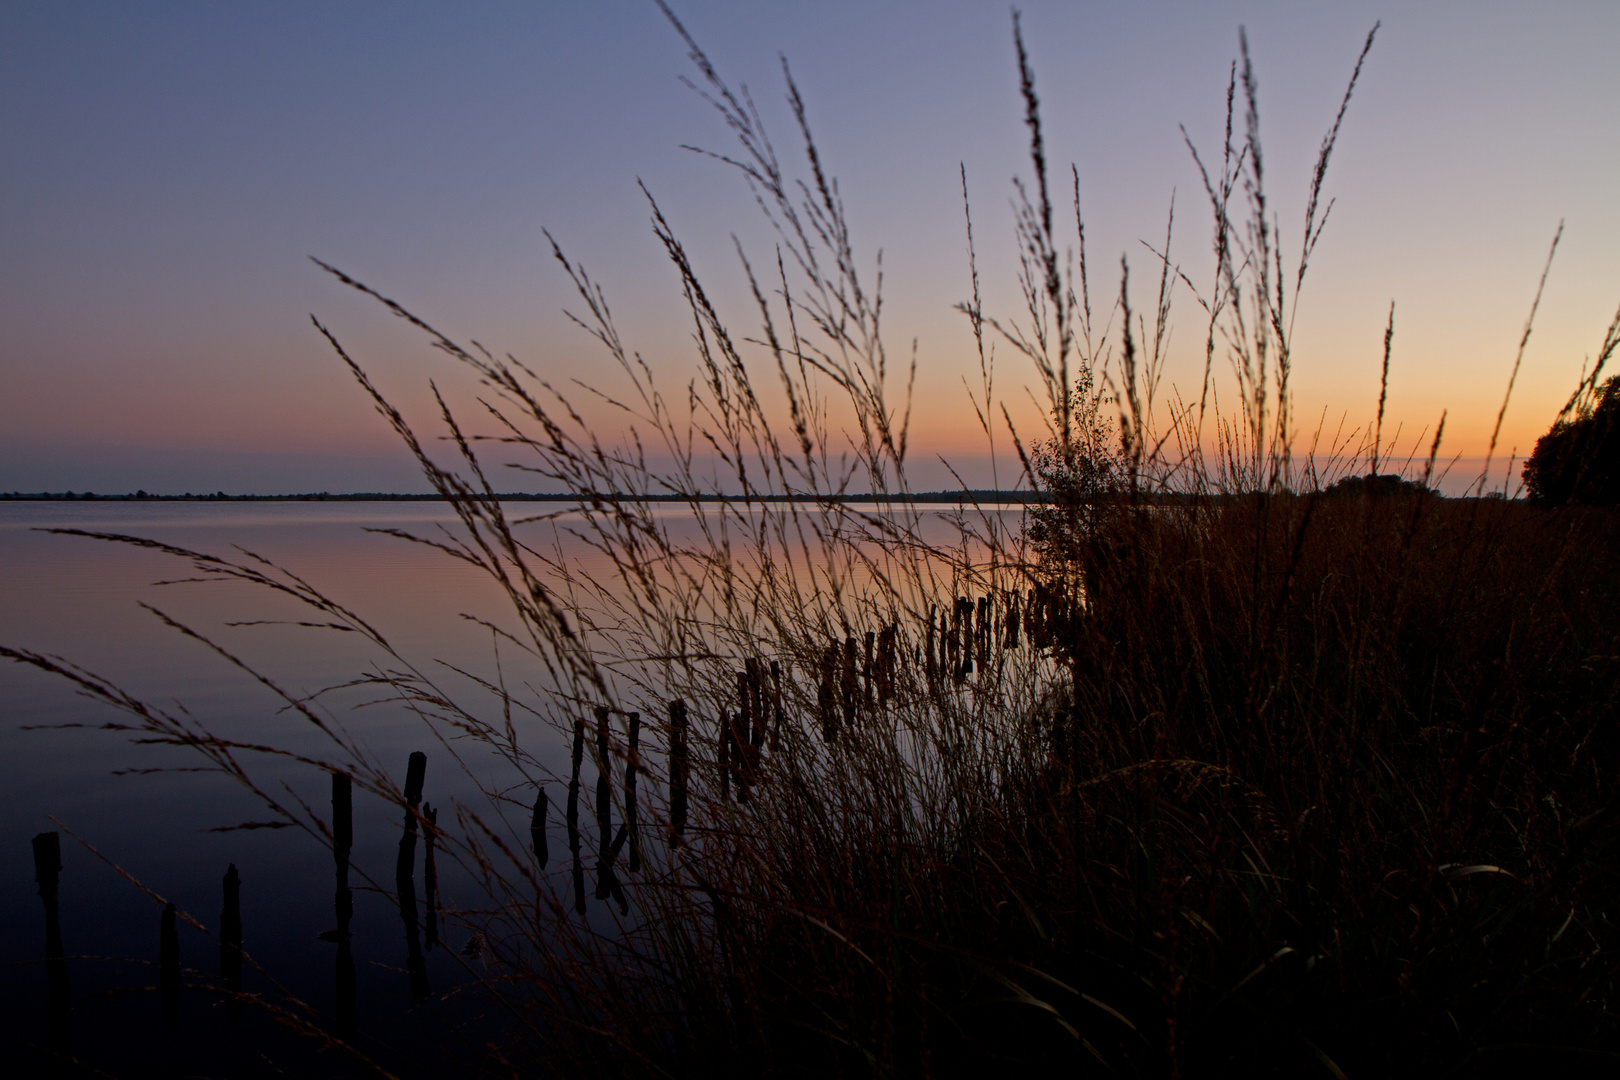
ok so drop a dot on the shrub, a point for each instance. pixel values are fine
(1578, 460)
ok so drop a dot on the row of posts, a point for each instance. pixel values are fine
(852, 676)
(972, 632)
(48, 868)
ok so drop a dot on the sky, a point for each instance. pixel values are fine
(167, 170)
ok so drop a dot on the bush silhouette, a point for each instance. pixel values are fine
(1578, 460)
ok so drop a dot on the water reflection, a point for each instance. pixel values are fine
(78, 598)
(230, 944)
(405, 878)
(59, 1009)
(345, 1007)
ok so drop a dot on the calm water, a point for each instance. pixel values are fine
(80, 599)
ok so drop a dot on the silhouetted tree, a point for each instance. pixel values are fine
(1578, 460)
(1382, 485)
(1075, 473)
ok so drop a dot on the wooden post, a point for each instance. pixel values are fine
(761, 721)
(430, 874)
(405, 875)
(630, 763)
(604, 810)
(848, 683)
(760, 715)
(537, 826)
(346, 1006)
(742, 726)
(981, 639)
(59, 999)
(885, 664)
(826, 696)
(230, 943)
(169, 967)
(725, 756)
(678, 769)
(968, 637)
(953, 642)
(869, 671)
(776, 706)
(573, 814)
(929, 667)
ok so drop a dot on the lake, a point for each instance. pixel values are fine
(175, 831)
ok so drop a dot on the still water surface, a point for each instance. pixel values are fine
(81, 599)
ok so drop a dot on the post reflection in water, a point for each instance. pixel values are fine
(404, 878)
(59, 1018)
(430, 875)
(343, 902)
(169, 967)
(80, 599)
(230, 943)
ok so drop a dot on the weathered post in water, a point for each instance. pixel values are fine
(742, 734)
(573, 815)
(760, 721)
(346, 1007)
(169, 967)
(430, 873)
(604, 810)
(537, 827)
(869, 671)
(59, 1000)
(930, 669)
(725, 756)
(776, 706)
(827, 695)
(677, 773)
(230, 943)
(405, 874)
(849, 685)
(630, 763)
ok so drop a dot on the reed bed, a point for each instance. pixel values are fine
(1196, 768)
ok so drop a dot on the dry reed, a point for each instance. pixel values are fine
(1204, 770)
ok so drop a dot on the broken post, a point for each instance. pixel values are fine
(677, 772)
(604, 810)
(725, 756)
(848, 684)
(430, 874)
(630, 792)
(776, 706)
(826, 697)
(346, 1007)
(59, 1000)
(537, 827)
(230, 943)
(869, 670)
(573, 815)
(405, 874)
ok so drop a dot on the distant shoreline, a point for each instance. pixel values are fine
(947, 497)
(1381, 486)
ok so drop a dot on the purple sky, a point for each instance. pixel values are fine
(165, 170)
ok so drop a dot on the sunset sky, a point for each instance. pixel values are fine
(166, 170)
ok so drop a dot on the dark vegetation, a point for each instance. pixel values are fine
(1227, 759)
(964, 495)
(1578, 461)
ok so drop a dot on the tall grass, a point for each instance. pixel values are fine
(1204, 770)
